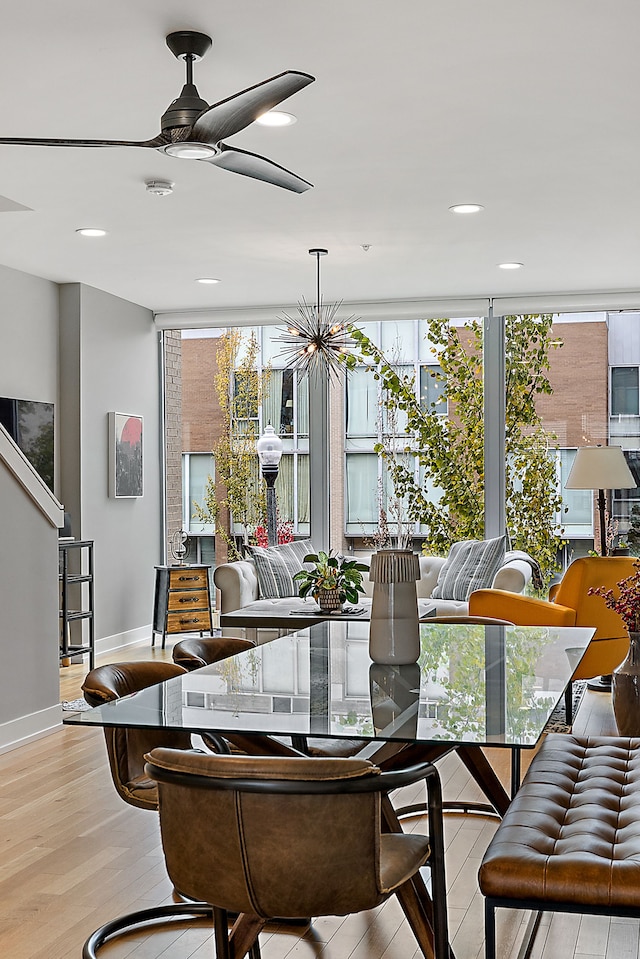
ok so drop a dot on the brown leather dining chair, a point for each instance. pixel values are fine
(195, 653)
(126, 747)
(293, 838)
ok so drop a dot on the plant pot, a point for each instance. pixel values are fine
(328, 600)
(625, 690)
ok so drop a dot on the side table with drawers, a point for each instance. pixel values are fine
(182, 601)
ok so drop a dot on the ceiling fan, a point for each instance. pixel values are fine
(193, 130)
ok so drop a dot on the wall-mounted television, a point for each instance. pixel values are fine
(30, 425)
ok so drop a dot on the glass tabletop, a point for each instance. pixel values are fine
(472, 684)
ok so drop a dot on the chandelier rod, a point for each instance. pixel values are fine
(317, 252)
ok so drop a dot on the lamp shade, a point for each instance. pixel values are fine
(269, 447)
(600, 467)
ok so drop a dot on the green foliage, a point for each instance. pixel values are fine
(450, 449)
(330, 572)
(236, 492)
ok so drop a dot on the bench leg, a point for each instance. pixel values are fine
(568, 703)
(489, 929)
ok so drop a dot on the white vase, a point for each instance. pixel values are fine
(394, 631)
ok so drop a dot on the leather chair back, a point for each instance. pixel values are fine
(126, 748)
(194, 653)
(588, 572)
(279, 837)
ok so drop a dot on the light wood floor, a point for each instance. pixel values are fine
(73, 855)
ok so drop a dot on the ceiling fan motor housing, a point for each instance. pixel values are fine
(184, 110)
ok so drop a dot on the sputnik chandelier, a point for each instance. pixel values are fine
(315, 341)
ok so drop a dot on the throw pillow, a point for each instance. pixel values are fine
(277, 565)
(471, 565)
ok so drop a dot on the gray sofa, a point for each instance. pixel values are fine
(238, 584)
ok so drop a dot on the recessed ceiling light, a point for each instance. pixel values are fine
(91, 231)
(466, 208)
(276, 118)
(510, 266)
(207, 279)
(191, 151)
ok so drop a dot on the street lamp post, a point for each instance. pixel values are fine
(269, 449)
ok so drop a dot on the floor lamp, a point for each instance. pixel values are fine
(600, 468)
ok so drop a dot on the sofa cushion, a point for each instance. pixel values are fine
(471, 564)
(277, 565)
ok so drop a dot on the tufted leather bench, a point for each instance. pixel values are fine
(570, 840)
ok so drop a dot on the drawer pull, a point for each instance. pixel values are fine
(188, 579)
(196, 620)
(188, 599)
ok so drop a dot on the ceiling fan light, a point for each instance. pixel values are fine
(191, 151)
(276, 118)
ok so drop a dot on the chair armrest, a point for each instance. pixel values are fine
(513, 576)
(518, 609)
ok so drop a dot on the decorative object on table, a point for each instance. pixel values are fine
(316, 341)
(194, 130)
(269, 450)
(178, 547)
(600, 468)
(625, 689)
(125, 455)
(331, 580)
(394, 632)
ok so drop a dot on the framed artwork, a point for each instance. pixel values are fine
(125, 455)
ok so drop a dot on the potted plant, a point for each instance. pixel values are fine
(332, 580)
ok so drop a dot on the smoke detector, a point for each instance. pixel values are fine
(159, 187)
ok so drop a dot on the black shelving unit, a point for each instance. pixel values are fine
(76, 580)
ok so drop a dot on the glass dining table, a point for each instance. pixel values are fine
(472, 686)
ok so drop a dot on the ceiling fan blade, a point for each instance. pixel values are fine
(229, 116)
(156, 142)
(250, 164)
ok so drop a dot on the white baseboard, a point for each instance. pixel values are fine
(25, 729)
(109, 644)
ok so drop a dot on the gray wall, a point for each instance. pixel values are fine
(28, 577)
(109, 363)
(90, 353)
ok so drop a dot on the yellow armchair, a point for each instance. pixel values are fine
(571, 605)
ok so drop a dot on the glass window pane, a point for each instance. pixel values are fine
(362, 492)
(197, 468)
(433, 389)
(578, 518)
(624, 390)
(398, 341)
(303, 405)
(303, 493)
(362, 403)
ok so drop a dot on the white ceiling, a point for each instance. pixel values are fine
(529, 108)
